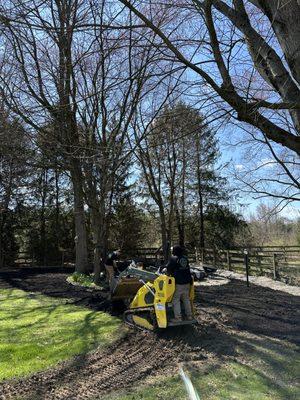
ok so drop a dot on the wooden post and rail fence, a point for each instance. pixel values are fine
(278, 262)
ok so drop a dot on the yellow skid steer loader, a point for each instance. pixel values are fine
(149, 299)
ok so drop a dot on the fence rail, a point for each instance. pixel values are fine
(27, 259)
(279, 262)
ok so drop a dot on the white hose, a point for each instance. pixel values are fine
(192, 393)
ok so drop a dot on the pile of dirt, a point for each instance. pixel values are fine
(221, 310)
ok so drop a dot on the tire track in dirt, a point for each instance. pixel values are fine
(125, 363)
(220, 311)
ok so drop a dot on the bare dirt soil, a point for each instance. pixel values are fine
(221, 310)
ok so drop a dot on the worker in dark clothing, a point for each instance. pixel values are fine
(178, 267)
(111, 265)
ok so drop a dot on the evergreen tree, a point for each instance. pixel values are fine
(14, 153)
(127, 226)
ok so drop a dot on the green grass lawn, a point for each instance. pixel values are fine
(37, 331)
(263, 369)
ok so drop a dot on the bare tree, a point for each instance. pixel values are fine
(42, 85)
(247, 57)
(177, 158)
(159, 161)
(85, 70)
(266, 60)
(121, 71)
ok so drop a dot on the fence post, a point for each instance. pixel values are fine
(32, 258)
(214, 257)
(2, 258)
(228, 260)
(202, 255)
(196, 255)
(275, 276)
(62, 258)
(246, 261)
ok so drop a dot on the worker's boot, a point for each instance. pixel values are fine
(175, 320)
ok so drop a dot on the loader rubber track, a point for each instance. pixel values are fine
(141, 310)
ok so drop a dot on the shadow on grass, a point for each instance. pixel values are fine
(37, 332)
(51, 281)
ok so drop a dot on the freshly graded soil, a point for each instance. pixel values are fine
(221, 309)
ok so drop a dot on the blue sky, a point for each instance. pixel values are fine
(234, 156)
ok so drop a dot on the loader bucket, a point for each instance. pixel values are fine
(125, 288)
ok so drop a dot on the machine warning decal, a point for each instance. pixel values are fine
(160, 307)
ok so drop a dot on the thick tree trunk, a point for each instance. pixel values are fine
(3, 213)
(2, 221)
(200, 195)
(80, 223)
(171, 218)
(99, 234)
(98, 264)
(57, 212)
(285, 20)
(97, 256)
(180, 228)
(201, 214)
(44, 183)
(42, 260)
(164, 235)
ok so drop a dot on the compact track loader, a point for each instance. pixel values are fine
(148, 297)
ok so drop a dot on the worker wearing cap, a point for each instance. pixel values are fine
(111, 265)
(178, 267)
